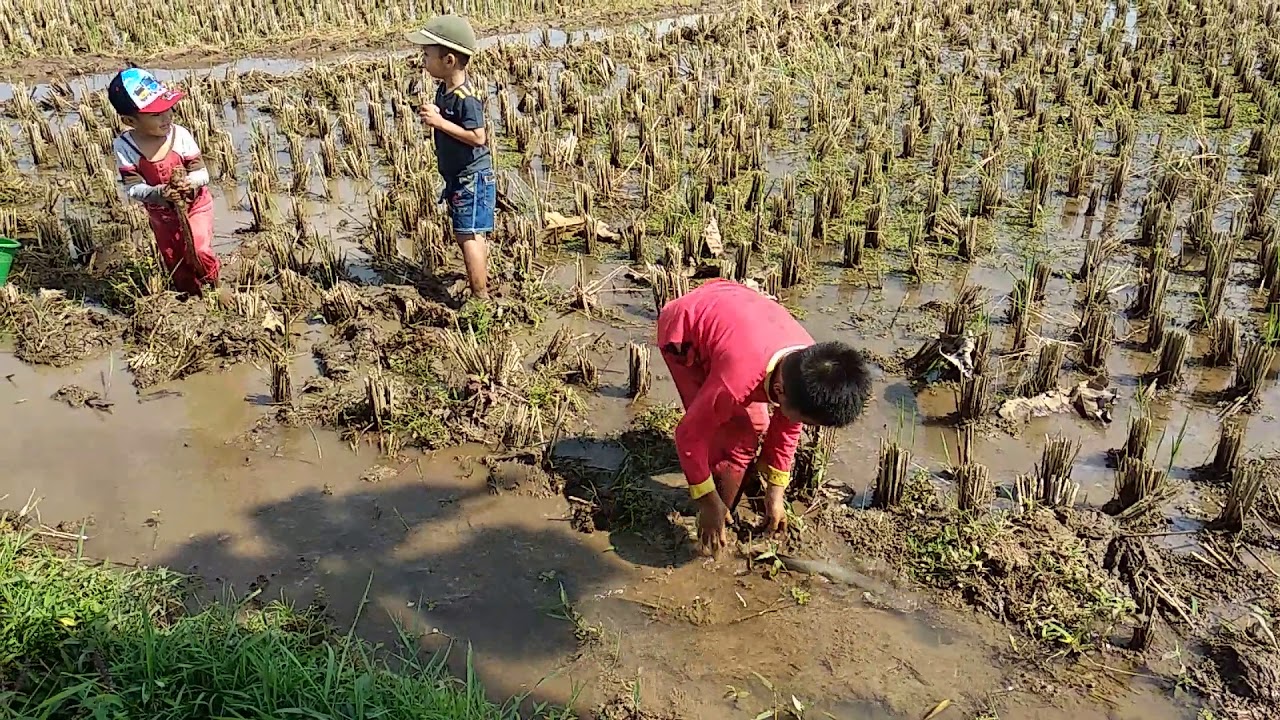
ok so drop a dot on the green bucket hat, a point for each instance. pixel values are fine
(450, 31)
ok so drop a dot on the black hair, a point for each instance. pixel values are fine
(828, 383)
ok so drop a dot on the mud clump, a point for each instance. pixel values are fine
(1040, 569)
(335, 358)
(582, 517)
(321, 402)
(1031, 569)
(629, 499)
(427, 387)
(78, 397)
(874, 534)
(625, 709)
(1250, 674)
(621, 700)
(356, 343)
(49, 329)
(169, 339)
(378, 473)
(406, 304)
(513, 476)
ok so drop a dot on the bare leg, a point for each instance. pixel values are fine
(475, 255)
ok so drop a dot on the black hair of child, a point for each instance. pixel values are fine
(828, 383)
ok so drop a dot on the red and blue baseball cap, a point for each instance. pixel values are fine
(137, 92)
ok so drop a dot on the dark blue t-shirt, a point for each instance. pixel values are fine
(464, 107)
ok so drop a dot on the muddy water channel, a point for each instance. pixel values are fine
(413, 478)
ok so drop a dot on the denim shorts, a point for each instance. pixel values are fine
(472, 200)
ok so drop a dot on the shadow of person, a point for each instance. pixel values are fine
(437, 561)
(619, 480)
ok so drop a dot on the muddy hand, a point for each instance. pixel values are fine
(172, 192)
(182, 184)
(775, 509)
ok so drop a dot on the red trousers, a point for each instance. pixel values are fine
(188, 275)
(736, 443)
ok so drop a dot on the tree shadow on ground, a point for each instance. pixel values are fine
(448, 562)
(440, 560)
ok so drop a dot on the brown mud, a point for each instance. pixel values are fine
(435, 459)
(165, 481)
(49, 329)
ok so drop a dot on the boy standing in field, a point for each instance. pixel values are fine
(462, 150)
(161, 167)
(733, 353)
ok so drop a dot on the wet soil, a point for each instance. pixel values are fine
(203, 472)
(168, 479)
(50, 329)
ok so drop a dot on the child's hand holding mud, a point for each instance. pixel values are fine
(775, 509)
(745, 368)
(174, 193)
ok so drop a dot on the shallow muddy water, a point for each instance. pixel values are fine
(171, 479)
(427, 549)
(419, 544)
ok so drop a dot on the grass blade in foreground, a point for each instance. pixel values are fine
(85, 640)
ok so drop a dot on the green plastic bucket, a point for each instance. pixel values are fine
(8, 248)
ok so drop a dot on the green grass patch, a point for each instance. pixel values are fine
(82, 640)
(659, 418)
(1028, 569)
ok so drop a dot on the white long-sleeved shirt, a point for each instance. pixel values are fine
(135, 185)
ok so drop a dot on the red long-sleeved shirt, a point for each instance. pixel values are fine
(734, 336)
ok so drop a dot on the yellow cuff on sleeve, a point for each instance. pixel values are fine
(702, 488)
(774, 476)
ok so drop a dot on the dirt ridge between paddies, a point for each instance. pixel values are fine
(79, 637)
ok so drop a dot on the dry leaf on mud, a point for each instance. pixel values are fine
(938, 710)
(758, 287)
(555, 223)
(271, 322)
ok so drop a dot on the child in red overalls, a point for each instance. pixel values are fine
(734, 354)
(147, 155)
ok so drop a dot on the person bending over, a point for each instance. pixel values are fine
(745, 368)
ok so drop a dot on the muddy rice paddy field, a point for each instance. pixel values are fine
(1052, 225)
